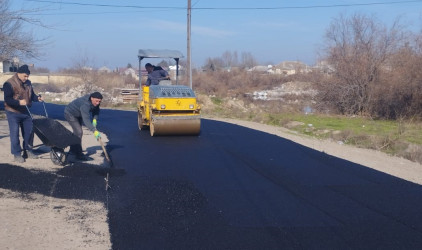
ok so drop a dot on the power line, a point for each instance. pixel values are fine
(309, 6)
(105, 5)
(227, 8)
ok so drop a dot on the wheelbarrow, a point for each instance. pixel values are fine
(54, 135)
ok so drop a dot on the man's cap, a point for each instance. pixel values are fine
(148, 65)
(24, 69)
(96, 95)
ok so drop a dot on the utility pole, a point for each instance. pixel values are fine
(189, 66)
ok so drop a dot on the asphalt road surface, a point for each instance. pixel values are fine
(237, 188)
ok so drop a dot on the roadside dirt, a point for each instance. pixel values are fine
(35, 217)
(34, 211)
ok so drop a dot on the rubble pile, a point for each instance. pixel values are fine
(82, 90)
(77, 92)
(286, 89)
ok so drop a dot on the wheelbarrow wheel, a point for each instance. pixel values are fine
(57, 156)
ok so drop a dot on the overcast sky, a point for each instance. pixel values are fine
(110, 33)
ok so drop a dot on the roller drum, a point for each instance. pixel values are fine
(175, 126)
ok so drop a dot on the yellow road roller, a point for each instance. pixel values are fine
(167, 109)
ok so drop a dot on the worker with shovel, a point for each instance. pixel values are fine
(80, 111)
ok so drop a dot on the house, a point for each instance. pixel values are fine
(172, 71)
(128, 72)
(173, 67)
(291, 68)
(262, 69)
(104, 69)
(6, 66)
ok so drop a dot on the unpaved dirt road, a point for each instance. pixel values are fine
(36, 213)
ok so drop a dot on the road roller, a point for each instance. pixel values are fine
(167, 109)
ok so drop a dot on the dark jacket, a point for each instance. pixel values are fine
(156, 75)
(82, 108)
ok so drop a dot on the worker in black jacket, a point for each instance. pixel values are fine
(80, 111)
(18, 97)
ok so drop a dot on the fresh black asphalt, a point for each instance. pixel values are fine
(234, 188)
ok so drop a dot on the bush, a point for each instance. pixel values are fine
(50, 87)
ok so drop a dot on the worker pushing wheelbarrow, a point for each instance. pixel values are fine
(56, 136)
(53, 134)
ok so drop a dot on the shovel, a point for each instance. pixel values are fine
(110, 164)
(105, 152)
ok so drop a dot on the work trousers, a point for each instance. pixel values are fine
(24, 122)
(76, 124)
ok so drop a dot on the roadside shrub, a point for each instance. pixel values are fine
(50, 87)
(234, 84)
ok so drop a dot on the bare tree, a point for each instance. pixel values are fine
(235, 59)
(357, 47)
(214, 64)
(87, 77)
(248, 60)
(229, 59)
(15, 41)
(400, 95)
